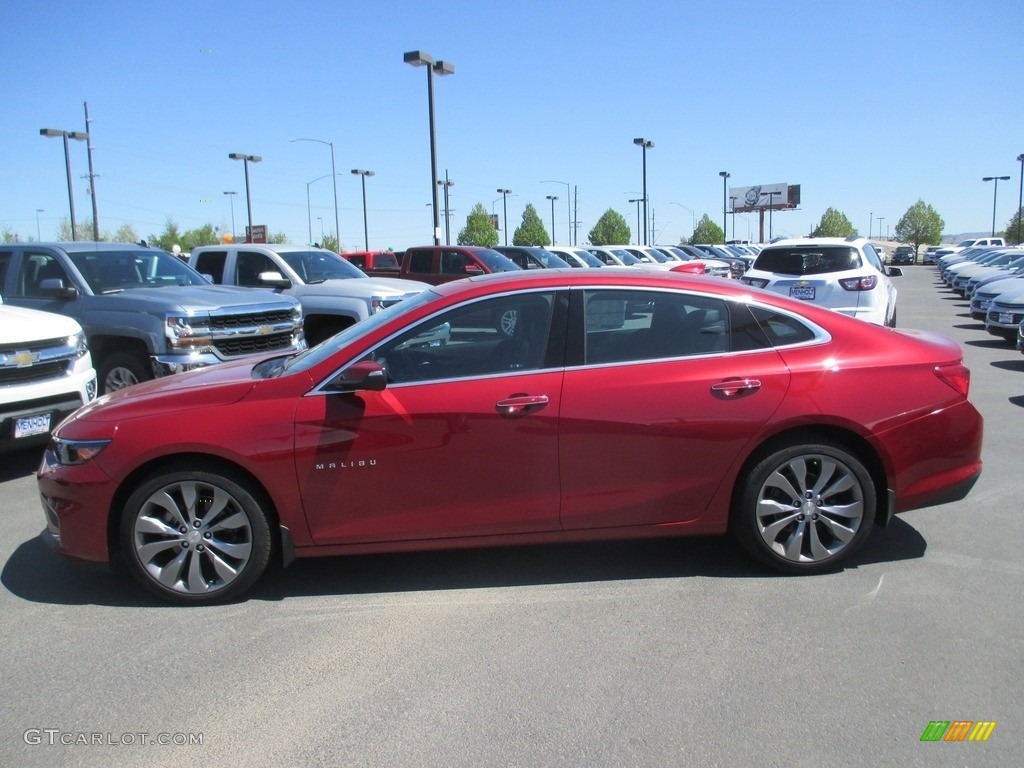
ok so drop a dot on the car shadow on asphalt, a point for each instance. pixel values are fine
(15, 464)
(1010, 365)
(35, 574)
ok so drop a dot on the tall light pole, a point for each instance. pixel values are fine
(231, 197)
(447, 183)
(568, 207)
(334, 173)
(92, 176)
(871, 223)
(504, 207)
(880, 219)
(309, 209)
(321, 220)
(421, 59)
(725, 211)
(552, 198)
(995, 189)
(644, 144)
(637, 200)
(366, 229)
(732, 204)
(39, 237)
(77, 136)
(1020, 196)
(246, 159)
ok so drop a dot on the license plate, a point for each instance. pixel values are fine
(1006, 318)
(37, 424)
(806, 294)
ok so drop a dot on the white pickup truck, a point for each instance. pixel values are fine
(45, 373)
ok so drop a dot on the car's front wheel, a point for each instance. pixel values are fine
(120, 370)
(805, 508)
(195, 537)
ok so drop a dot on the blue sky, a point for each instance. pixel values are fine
(869, 106)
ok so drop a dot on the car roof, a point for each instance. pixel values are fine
(79, 246)
(796, 242)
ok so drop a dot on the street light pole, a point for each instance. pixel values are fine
(231, 197)
(366, 229)
(1020, 196)
(871, 223)
(246, 159)
(552, 198)
(420, 59)
(725, 176)
(77, 136)
(880, 219)
(995, 188)
(732, 203)
(637, 200)
(334, 173)
(644, 144)
(771, 201)
(92, 176)
(568, 207)
(39, 237)
(504, 207)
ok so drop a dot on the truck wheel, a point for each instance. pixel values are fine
(195, 537)
(120, 370)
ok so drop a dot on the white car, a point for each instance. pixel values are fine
(575, 257)
(844, 275)
(45, 373)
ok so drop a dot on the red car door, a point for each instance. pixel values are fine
(463, 442)
(660, 410)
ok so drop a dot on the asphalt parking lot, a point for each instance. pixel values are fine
(640, 654)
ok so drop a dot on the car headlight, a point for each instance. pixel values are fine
(68, 453)
(76, 341)
(187, 333)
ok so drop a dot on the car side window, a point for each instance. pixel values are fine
(624, 326)
(484, 338)
(212, 263)
(249, 265)
(781, 330)
(453, 263)
(421, 262)
(35, 268)
(5, 260)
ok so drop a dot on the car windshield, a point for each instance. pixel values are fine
(114, 271)
(808, 260)
(317, 266)
(550, 260)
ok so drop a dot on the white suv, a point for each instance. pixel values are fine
(845, 275)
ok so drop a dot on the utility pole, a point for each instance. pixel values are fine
(92, 176)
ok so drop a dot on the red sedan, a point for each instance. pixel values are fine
(636, 404)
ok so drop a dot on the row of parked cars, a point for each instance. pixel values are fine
(991, 278)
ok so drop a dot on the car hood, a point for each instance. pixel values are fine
(19, 325)
(212, 386)
(185, 298)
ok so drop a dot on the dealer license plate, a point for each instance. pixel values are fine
(37, 424)
(804, 293)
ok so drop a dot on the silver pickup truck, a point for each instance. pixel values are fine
(334, 293)
(145, 313)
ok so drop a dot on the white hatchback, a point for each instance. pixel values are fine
(842, 274)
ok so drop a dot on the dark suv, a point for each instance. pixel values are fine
(904, 254)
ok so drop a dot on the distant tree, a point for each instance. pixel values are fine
(834, 224)
(83, 229)
(531, 231)
(610, 229)
(8, 235)
(1015, 228)
(920, 225)
(204, 235)
(707, 231)
(479, 229)
(126, 234)
(330, 242)
(170, 237)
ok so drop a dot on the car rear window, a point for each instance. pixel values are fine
(808, 260)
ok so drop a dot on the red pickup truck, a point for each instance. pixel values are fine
(433, 264)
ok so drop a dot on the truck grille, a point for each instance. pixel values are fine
(37, 361)
(229, 322)
(251, 345)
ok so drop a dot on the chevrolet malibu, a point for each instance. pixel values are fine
(725, 409)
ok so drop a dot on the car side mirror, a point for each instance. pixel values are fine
(54, 286)
(366, 375)
(274, 280)
(895, 272)
(473, 269)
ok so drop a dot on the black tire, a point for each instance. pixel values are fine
(805, 508)
(120, 370)
(194, 537)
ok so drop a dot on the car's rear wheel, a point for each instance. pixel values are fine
(805, 508)
(195, 537)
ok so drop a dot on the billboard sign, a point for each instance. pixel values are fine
(761, 197)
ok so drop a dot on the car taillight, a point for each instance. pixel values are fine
(757, 282)
(865, 283)
(958, 377)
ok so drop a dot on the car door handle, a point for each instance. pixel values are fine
(735, 387)
(520, 405)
